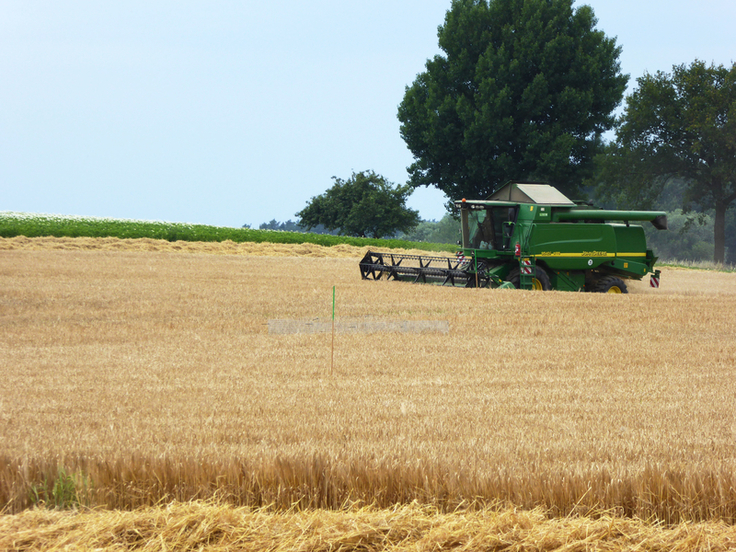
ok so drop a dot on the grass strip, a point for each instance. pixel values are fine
(13, 224)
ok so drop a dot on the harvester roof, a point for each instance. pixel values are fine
(528, 192)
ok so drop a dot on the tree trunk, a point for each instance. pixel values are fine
(719, 233)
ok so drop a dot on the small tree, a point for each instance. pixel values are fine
(680, 125)
(365, 205)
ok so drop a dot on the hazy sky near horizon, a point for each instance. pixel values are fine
(237, 112)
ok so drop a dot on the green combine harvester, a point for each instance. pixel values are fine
(530, 236)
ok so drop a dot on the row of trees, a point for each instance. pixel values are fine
(292, 226)
(446, 230)
(678, 126)
(526, 90)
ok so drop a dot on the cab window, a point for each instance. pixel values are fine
(491, 228)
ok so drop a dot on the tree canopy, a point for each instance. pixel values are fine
(365, 205)
(678, 126)
(523, 91)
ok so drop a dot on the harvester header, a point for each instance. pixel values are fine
(530, 236)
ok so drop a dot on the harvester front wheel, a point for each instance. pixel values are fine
(610, 284)
(540, 282)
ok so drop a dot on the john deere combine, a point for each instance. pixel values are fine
(530, 236)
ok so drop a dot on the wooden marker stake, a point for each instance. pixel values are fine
(332, 358)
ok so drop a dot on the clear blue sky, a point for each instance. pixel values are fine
(230, 112)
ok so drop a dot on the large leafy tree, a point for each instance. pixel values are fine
(364, 205)
(523, 91)
(678, 126)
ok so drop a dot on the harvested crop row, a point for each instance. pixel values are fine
(226, 247)
(197, 526)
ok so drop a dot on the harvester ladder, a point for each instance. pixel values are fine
(527, 272)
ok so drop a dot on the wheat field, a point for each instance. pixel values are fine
(144, 372)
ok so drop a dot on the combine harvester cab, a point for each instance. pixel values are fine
(530, 236)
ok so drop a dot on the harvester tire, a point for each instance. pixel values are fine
(541, 280)
(610, 284)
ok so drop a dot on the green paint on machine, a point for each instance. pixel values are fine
(533, 237)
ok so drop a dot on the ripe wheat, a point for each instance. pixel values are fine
(151, 375)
